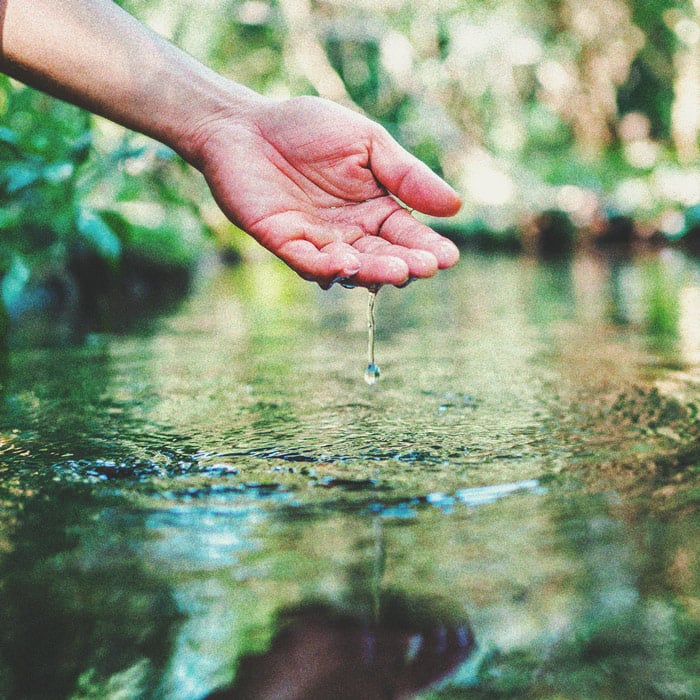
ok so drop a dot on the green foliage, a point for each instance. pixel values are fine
(43, 145)
(649, 86)
(61, 195)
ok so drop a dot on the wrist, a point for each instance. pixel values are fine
(99, 57)
(203, 108)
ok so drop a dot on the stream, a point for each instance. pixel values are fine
(219, 505)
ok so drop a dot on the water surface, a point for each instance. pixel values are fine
(221, 502)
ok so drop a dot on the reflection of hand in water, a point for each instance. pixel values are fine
(319, 655)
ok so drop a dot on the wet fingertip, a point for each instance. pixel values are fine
(456, 204)
(397, 266)
(347, 269)
(447, 254)
(423, 263)
(399, 281)
(464, 637)
(448, 202)
(342, 280)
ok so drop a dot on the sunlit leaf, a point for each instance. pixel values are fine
(7, 135)
(58, 172)
(14, 280)
(18, 176)
(94, 230)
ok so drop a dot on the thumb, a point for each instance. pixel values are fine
(409, 179)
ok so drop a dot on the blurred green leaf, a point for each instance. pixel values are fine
(14, 280)
(97, 233)
(17, 176)
(9, 144)
(58, 172)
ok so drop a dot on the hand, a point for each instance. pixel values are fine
(313, 183)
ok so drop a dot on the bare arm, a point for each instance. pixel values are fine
(310, 180)
(92, 53)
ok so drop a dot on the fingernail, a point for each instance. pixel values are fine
(464, 638)
(448, 254)
(441, 640)
(414, 646)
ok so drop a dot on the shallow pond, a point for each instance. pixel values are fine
(220, 504)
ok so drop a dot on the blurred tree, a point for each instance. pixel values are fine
(649, 85)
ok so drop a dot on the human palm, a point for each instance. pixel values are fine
(319, 186)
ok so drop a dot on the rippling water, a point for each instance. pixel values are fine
(223, 503)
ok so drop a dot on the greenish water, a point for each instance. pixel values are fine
(222, 501)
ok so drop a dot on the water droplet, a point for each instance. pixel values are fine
(372, 373)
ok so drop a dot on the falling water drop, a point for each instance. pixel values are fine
(371, 371)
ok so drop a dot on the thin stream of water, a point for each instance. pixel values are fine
(372, 372)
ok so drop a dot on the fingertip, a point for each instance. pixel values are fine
(409, 233)
(350, 268)
(382, 269)
(322, 266)
(432, 195)
(397, 271)
(389, 270)
(447, 254)
(411, 180)
(452, 202)
(344, 262)
(421, 263)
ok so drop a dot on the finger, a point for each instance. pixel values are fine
(319, 265)
(376, 270)
(421, 263)
(404, 230)
(411, 180)
(439, 652)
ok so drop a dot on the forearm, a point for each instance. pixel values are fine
(92, 53)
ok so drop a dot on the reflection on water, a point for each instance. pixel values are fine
(319, 653)
(77, 604)
(223, 508)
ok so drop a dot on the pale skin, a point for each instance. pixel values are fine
(320, 186)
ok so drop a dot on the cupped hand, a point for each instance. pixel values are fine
(328, 191)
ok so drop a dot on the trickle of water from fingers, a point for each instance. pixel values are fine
(372, 372)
